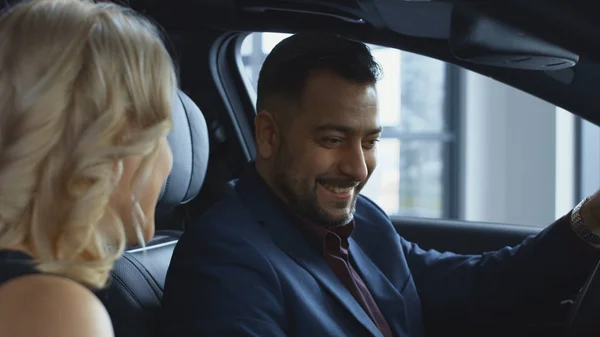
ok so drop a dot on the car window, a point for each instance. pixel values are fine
(458, 145)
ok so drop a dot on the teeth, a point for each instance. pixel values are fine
(338, 190)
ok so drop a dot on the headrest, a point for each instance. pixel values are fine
(189, 143)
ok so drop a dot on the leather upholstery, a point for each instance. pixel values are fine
(134, 296)
(189, 143)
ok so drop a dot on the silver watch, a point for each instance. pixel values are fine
(580, 228)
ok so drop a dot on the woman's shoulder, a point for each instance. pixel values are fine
(47, 305)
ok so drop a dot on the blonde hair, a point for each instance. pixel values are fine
(82, 86)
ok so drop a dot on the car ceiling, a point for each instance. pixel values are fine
(416, 18)
(418, 26)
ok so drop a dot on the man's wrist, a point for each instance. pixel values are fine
(583, 230)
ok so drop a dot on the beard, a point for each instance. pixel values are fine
(301, 192)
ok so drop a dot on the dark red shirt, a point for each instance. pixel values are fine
(333, 244)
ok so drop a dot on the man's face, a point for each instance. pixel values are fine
(325, 156)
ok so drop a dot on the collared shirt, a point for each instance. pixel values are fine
(333, 245)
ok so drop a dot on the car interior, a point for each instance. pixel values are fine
(134, 296)
(550, 51)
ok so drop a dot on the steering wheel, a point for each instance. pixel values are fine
(584, 318)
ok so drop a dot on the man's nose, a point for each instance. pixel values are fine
(353, 164)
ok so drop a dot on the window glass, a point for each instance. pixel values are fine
(513, 158)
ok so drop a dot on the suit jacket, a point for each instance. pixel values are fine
(243, 269)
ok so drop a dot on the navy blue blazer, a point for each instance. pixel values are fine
(243, 269)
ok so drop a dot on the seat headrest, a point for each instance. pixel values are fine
(189, 143)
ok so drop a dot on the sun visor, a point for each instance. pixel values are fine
(479, 39)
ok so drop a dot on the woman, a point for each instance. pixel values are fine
(85, 108)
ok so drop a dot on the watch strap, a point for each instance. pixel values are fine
(580, 227)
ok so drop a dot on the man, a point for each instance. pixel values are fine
(292, 249)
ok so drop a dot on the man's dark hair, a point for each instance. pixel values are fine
(287, 67)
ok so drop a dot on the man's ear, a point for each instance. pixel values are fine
(267, 132)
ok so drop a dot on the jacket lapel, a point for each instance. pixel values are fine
(260, 201)
(388, 298)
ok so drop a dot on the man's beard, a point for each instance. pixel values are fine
(302, 197)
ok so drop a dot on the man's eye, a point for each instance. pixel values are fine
(332, 141)
(371, 143)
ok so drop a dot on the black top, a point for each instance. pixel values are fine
(14, 264)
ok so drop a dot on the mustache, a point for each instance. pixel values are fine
(342, 182)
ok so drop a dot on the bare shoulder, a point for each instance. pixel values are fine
(51, 306)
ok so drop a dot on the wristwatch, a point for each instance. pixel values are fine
(580, 227)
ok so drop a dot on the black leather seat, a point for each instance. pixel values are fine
(134, 296)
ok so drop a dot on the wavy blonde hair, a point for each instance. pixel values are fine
(82, 86)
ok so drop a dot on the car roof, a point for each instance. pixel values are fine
(421, 27)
